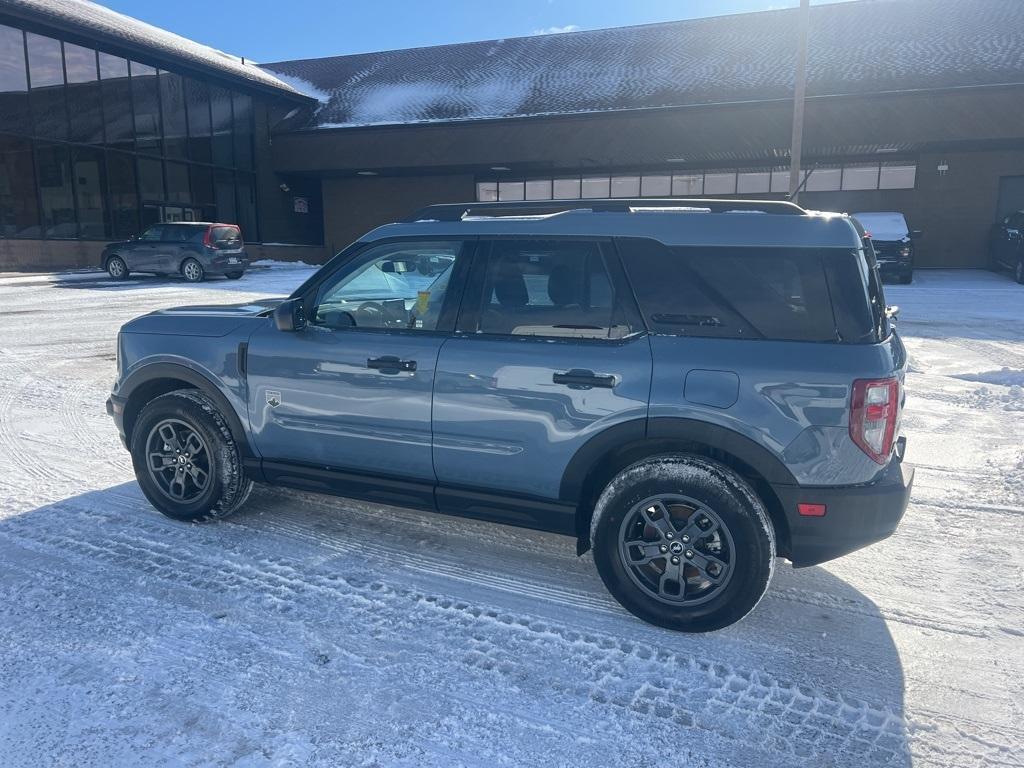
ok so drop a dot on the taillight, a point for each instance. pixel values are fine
(208, 237)
(873, 416)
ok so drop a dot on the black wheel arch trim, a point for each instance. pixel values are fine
(174, 371)
(655, 435)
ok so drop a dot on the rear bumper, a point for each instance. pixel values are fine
(220, 265)
(856, 515)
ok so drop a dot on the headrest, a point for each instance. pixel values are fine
(509, 286)
(564, 286)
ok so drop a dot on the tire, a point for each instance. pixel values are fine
(188, 411)
(1018, 271)
(907, 278)
(687, 486)
(233, 275)
(116, 268)
(192, 271)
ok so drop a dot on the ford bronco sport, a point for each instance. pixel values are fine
(691, 388)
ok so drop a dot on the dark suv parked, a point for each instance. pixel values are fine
(893, 241)
(1006, 245)
(688, 387)
(194, 250)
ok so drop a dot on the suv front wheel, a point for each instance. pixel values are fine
(116, 268)
(683, 542)
(185, 458)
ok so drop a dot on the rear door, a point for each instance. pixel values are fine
(175, 246)
(550, 352)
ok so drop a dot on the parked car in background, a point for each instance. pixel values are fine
(673, 382)
(1006, 245)
(194, 249)
(893, 242)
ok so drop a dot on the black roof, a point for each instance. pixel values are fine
(861, 47)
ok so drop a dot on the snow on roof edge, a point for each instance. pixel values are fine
(95, 19)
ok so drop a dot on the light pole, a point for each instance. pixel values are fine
(796, 147)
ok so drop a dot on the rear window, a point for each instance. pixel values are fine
(884, 226)
(225, 233)
(741, 293)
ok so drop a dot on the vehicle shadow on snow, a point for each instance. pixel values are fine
(812, 676)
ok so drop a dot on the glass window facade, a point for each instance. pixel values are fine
(95, 146)
(892, 175)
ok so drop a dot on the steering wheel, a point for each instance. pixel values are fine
(373, 312)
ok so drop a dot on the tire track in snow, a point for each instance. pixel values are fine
(698, 693)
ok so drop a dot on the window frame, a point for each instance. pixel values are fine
(473, 302)
(346, 260)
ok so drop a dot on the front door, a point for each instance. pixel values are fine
(352, 390)
(551, 352)
(144, 252)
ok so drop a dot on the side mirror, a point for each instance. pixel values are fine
(916, 234)
(288, 316)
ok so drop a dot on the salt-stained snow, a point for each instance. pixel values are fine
(310, 630)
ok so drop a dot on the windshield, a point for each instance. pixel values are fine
(884, 226)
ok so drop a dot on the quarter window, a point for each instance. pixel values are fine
(738, 293)
(397, 286)
(550, 288)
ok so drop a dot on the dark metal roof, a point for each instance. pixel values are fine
(103, 26)
(860, 47)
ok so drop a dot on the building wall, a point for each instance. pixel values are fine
(353, 206)
(97, 143)
(954, 210)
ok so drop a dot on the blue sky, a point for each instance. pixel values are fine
(272, 30)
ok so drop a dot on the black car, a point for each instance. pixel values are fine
(893, 242)
(1005, 249)
(194, 250)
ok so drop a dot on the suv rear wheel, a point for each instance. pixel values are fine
(192, 271)
(185, 458)
(1018, 271)
(683, 542)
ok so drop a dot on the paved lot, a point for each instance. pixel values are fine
(311, 630)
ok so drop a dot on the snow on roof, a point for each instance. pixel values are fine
(855, 47)
(103, 24)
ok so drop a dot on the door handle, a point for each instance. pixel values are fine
(580, 378)
(390, 363)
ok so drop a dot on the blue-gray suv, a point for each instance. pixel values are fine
(691, 388)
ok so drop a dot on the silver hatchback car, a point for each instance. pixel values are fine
(193, 249)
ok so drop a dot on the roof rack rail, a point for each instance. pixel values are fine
(459, 211)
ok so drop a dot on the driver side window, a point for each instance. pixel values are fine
(394, 286)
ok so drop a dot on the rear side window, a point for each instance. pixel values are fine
(550, 288)
(736, 293)
(178, 234)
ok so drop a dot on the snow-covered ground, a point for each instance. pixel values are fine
(314, 630)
